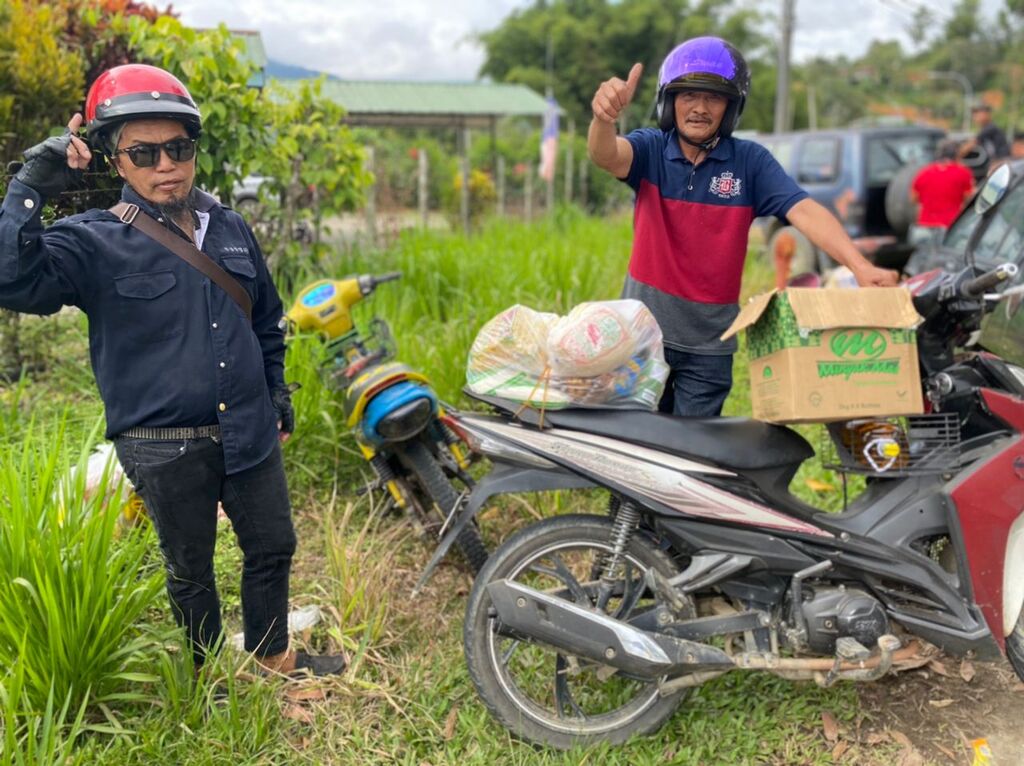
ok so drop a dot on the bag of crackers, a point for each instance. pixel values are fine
(602, 354)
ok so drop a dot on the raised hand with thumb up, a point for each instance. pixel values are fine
(615, 94)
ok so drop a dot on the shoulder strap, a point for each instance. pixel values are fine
(193, 256)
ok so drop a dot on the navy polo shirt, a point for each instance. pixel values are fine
(168, 348)
(690, 231)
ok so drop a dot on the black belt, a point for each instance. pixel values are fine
(172, 434)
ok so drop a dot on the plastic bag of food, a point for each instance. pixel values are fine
(602, 354)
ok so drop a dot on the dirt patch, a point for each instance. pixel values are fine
(931, 715)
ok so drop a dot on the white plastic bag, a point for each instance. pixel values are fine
(602, 354)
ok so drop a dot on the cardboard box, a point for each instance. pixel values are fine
(831, 354)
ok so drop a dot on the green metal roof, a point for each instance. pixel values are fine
(473, 104)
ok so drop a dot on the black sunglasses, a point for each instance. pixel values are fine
(147, 155)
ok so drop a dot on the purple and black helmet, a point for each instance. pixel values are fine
(704, 63)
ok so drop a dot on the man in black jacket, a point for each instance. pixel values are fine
(194, 390)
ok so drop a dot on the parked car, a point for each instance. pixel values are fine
(861, 174)
(245, 195)
(246, 200)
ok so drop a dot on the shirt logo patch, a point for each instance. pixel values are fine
(725, 186)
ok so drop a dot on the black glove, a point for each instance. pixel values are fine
(46, 166)
(282, 400)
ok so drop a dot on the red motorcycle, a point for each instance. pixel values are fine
(586, 628)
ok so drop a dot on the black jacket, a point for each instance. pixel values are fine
(168, 347)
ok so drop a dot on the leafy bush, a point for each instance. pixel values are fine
(313, 167)
(482, 196)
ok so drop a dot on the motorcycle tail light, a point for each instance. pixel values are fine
(879, 445)
(406, 421)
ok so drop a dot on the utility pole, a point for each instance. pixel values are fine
(782, 82)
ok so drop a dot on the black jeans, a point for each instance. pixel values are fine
(181, 482)
(697, 385)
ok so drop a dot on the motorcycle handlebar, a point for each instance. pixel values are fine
(389, 276)
(975, 288)
(368, 282)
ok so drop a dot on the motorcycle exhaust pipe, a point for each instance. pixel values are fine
(524, 612)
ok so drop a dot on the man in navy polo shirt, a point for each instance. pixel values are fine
(697, 191)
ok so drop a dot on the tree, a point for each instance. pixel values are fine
(592, 40)
(31, 55)
(314, 166)
(39, 77)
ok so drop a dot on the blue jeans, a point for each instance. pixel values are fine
(181, 483)
(697, 385)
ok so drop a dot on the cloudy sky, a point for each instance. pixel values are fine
(412, 39)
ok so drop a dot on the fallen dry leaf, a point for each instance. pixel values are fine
(937, 667)
(839, 750)
(1018, 687)
(449, 725)
(901, 738)
(940, 703)
(967, 671)
(948, 753)
(299, 713)
(305, 693)
(830, 725)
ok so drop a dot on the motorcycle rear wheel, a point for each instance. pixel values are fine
(538, 693)
(438, 497)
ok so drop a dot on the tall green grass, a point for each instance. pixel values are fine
(452, 283)
(73, 592)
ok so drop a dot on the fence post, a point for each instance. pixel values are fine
(421, 188)
(464, 171)
(371, 198)
(584, 190)
(528, 193)
(549, 192)
(570, 135)
(501, 187)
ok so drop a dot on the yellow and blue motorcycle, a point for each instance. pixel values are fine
(394, 414)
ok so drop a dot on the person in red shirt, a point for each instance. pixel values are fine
(940, 189)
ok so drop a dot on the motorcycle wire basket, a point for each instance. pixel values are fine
(349, 355)
(893, 447)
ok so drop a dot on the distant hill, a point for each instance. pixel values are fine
(284, 71)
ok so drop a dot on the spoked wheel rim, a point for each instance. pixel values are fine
(566, 693)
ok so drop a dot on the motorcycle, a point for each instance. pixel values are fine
(395, 415)
(584, 628)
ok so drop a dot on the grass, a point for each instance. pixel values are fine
(408, 698)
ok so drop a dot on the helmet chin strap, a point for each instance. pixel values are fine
(705, 146)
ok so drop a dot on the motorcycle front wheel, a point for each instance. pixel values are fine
(1015, 647)
(541, 694)
(437, 498)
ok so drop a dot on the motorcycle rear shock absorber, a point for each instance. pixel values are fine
(626, 519)
(382, 468)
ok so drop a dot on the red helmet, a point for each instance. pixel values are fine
(138, 91)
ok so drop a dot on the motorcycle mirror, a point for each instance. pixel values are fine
(993, 190)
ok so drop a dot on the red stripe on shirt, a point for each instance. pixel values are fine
(687, 249)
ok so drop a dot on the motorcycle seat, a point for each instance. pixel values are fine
(740, 443)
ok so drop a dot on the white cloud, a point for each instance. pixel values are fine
(416, 40)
